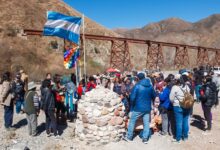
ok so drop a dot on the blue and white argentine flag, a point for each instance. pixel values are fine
(63, 26)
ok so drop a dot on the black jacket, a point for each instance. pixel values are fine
(18, 89)
(210, 98)
(47, 100)
(198, 76)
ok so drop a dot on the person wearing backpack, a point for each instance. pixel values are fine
(18, 92)
(209, 99)
(32, 108)
(177, 96)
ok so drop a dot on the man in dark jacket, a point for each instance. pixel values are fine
(31, 108)
(18, 92)
(209, 99)
(48, 105)
(141, 96)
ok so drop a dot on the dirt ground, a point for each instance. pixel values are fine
(19, 139)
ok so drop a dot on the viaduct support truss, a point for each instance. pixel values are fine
(120, 55)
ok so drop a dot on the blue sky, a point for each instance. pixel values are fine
(137, 13)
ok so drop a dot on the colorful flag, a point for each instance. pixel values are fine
(63, 26)
(70, 57)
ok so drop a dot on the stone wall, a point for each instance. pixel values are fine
(100, 117)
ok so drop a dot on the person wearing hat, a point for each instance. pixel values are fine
(18, 92)
(141, 97)
(31, 108)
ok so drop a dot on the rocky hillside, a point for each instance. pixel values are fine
(169, 29)
(38, 55)
(205, 32)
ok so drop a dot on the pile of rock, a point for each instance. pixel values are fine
(100, 117)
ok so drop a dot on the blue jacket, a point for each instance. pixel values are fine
(141, 96)
(165, 98)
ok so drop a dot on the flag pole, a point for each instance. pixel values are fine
(84, 49)
(77, 74)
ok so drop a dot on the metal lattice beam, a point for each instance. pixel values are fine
(181, 57)
(154, 56)
(202, 57)
(120, 56)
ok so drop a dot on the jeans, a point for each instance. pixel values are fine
(51, 121)
(197, 89)
(182, 122)
(8, 115)
(19, 104)
(133, 119)
(32, 124)
(208, 116)
(69, 104)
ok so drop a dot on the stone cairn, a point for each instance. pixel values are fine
(100, 117)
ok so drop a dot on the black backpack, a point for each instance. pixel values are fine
(213, 92)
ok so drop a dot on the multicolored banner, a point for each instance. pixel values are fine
(70, 57)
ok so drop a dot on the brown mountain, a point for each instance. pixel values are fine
(204, 28)
(38, 55)
(205, 32)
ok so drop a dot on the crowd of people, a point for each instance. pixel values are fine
(158, 102)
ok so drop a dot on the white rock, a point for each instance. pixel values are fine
(101, 133)
(110, 128)
(96, 113)
(103, 128)
(90, 115)
(88, 109)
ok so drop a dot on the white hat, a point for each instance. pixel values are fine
(186, 73)
(31, 85)
(177, 76)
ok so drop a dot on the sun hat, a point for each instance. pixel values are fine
(31, 85)
(177, 76)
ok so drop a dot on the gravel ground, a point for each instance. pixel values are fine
(19, 139)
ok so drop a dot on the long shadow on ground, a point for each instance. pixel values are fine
(198, 122)
(20, 124)
(41, 128)
(61, 128)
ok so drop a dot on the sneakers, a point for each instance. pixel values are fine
(10, 129)
(145, 141)
(125, 138)
(175, 141)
